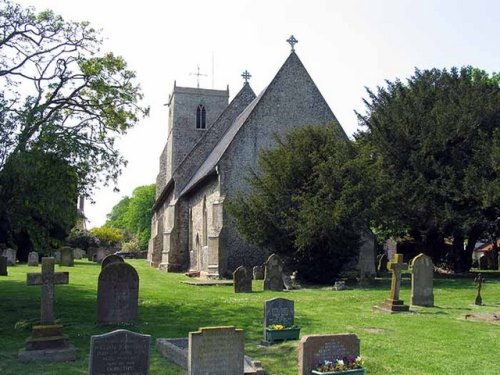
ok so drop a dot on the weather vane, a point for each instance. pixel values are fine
(292, 41)
(197, 74)
(246, 76)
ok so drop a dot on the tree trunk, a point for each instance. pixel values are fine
(459, 254)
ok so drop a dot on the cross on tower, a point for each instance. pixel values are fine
(292, 41)
(47, 279)
(246, 76)
(197, 74)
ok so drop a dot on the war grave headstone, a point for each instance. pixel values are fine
(11, 255)
(258, 273)
(217, 350)
(67, 259)
(119, 352)
(33, 259)
(117, 294)
(47, 341)
(279, 311)
(3, 266)
(110, 259)
(393, 304)
(242, 280)
(273, 270)
(422, 286)
(315, 349)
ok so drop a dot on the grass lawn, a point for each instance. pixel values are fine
(432, 341)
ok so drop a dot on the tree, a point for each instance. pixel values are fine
(433, 137)
(306, 201)
(107, 236)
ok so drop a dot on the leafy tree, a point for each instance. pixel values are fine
(82, 239)
(116, 218)
(433, 138)
(306, 201)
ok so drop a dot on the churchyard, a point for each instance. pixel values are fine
(426, 340)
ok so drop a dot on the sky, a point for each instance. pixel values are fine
(346, 46)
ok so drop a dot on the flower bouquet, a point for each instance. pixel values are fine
(280, 332)
(348, 365)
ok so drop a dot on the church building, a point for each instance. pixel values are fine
(211, 147)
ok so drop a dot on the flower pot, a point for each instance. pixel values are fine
(355, 371)
(273, 335)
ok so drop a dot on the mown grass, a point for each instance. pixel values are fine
(431, 341)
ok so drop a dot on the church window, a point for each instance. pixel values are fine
(205, 223)
(201, 117)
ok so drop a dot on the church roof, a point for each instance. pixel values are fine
(292, 66)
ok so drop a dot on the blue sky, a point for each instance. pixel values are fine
(345, 45)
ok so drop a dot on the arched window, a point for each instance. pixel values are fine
(201, 117)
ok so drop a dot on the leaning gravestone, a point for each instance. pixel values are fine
(273, 279)
(258, 273)
(119, 352)
(422, 281)
(242, 280)
(316, 349)
(217, 350)
(3, 266)
(110, 259)
(277, 311)
(10, 254)
(67, 257)
(33, 259)
(117, 294)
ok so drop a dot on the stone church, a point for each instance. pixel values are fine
(212, 144)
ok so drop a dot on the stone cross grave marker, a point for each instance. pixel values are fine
(258, 273)
(242, 280)
(110, 259)
(11, 256)
(277, 311)
(216, 350)
(119, 352)
(422, 281)
(479, 280)
(315, 349)
(33, 259)
(273, 270)
(393, 303)
(67, 258)
(117, 294)
(3, 266)
(47, 279)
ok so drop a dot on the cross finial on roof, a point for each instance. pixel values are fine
(197, 74)
(292, 41)
(246, 76)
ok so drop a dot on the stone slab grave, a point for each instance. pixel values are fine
(258, 273)
(242, 279)
(214, 347)
(33, 259)
(119, 352)
(110, 259)
(315, 349)
(422, 273)
(117, 294)
(11, 256)
(47, 341)
(484, 317)
(273, 271)
(67, 258)
(393, 304)
(3, 266)
(277, 311)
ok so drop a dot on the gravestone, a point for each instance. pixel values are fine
(258, 273)
(315, 349)
(117, 294)
(102, 253)
(273, 270)
(33, 259)
(3, 266)
(47, 341)
(242, 280)
(67, 259)
(287, 281)
(422, 281)
(119, 352)
(57, 256)
(277, 311)
(483, 262)
(78, 253)
(91, 253)
(10, 254)
(217, 350)
(110, 259)
(393, 304)
(390, 248)
(339, 285)
(382, 263)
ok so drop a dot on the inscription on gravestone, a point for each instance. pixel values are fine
(119, 352)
